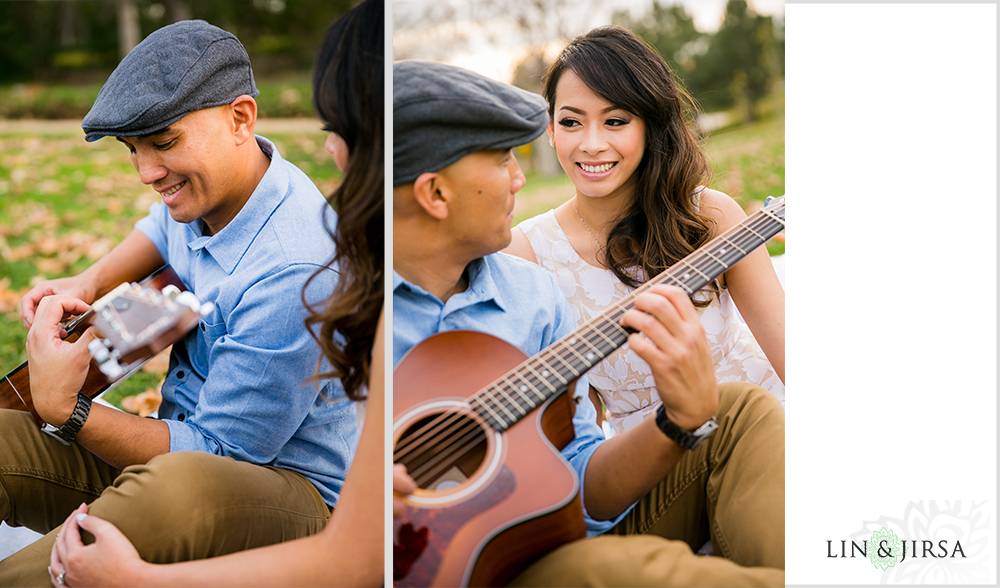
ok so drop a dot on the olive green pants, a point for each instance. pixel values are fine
(731, 490)
(179, 506)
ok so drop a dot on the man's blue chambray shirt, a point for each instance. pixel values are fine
(514, 300)
(238, 385)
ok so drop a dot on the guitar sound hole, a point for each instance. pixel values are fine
(442, 450)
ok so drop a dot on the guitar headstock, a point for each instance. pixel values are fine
(138, 321)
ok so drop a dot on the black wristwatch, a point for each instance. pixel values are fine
(684, 438)
(68, 431)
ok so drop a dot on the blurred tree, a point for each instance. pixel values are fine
(741, 60)
(670, 29)
(78, 40)
(128, 26)
(530, 71)
(539, 157)
(179, 10)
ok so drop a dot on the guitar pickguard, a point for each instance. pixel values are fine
(412, 531)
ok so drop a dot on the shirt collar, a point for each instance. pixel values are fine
(229, 245)
(482, 287)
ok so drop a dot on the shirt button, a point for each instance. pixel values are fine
(180, 374)
(180, 417)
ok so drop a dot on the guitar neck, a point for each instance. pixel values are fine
(532, 383)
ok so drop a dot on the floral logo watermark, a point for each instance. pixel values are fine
(886, 550)
(933, 542)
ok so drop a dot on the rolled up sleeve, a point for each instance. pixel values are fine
(258, 391)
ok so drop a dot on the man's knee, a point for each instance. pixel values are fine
(169, 485)
(191, 505)
(16, 426)
(639, 560)
(748, 401)
(193, 486)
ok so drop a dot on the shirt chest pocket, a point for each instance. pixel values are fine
(207, 336)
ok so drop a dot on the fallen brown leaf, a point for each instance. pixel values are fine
(51, 266)
(9, 299)
(145, 403)
(158, 364)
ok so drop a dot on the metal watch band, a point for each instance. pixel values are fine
(682, 437)
(67, 433)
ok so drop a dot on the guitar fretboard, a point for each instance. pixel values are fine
(530, 384)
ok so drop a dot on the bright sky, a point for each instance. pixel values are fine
(496, 55)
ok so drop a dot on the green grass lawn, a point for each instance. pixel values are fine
(64, 203)
(748, 163)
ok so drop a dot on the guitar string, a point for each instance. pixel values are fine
(482, 398)
(436, 465)
(473, 438)
(538, 363)
(445, 428)
(457, 448)
(729, 237)
(605, 318)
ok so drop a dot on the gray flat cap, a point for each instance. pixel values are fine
(186, 66)
(441, 113)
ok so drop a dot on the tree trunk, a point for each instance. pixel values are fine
(128, 26)
(179, 10)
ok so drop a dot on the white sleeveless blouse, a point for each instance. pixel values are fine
(623, 380)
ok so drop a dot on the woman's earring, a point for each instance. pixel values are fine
(551, 142)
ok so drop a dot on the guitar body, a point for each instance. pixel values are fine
(488, 513)
(15, 388)
(479, 426)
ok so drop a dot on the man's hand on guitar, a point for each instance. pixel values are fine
(672, 341)
(402, 485)
(59, 367)
(77, 286)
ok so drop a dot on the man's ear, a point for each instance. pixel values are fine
(432, 193)
(244, 112)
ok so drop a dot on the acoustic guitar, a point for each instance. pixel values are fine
(481, 433)
(136, 321)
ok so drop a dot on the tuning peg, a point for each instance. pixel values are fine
(98, 350)
(106, 361)
(189, 300)
(206, 309)
(112, 369)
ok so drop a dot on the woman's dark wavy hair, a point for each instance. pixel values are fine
(348, 83)
(662, 224)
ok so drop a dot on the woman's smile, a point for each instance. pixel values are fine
(596, 171)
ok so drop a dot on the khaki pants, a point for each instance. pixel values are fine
(731, 489)
(179, 506)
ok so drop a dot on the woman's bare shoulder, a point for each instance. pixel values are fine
(520, 246)
(721, 208)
